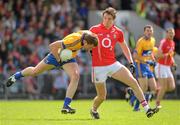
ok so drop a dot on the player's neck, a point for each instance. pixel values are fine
(169, 39)
(147, 38)
(107, 26)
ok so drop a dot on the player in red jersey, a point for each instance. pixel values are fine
(163, 67)
(104, 62)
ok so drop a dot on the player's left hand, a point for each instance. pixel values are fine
(132, 68)
(174, 67)
(151, 63)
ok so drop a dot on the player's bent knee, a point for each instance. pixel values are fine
(75, 77)
(35, 72)
(171, 88)
(102, 97)
(134, 83)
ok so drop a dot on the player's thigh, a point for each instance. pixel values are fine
(71, 69)
(170, 84)
(143, 83)
(124, 75)
(162, 83)
(152, 84)
(101, 90)
(41, 67)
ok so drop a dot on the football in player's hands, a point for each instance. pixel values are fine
(65, 54)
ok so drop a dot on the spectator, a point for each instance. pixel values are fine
(60, 85)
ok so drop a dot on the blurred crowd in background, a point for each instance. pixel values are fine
(27, 27)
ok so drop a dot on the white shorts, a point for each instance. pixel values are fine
(163, 71)
(101, 73)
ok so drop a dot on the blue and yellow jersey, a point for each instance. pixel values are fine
(144, 48)
(74, 42)
(155, 51)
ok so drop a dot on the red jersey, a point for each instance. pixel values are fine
(166, 46)
(104, 54)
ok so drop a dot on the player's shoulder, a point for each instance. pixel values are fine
(141, 39)
(153, 39)
(84, 31)
(162, 41)
(117, 28)
(95, 27)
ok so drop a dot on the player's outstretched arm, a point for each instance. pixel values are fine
(126, 51)
(54, 49)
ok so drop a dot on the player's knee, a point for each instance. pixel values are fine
(153, 89)
(75, 76)
(102, 97)
(171, 88)
(34, 72)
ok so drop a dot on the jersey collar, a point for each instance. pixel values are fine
(102, 25)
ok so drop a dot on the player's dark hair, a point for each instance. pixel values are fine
(90, 39)
(110, 11)
(147, 26)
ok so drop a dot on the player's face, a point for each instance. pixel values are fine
(108, 20)
(170, 34)
(148, 32)
(88, 46)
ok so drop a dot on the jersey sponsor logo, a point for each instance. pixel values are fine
(146, 53)
(106, 42)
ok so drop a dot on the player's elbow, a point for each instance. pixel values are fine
(51, 46)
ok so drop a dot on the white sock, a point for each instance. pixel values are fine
(146, 108)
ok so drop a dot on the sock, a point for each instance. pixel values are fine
(145, 105)
(132, 99)
(157, 103)
(18, 75)
(136, 107)
(147, 96)
(67, 101)
(94, 110)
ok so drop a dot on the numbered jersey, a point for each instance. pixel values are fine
(104, 54)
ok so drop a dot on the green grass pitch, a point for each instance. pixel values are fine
(112, 112)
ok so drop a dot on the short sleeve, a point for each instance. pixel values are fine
(120, 36)
(139, 47)
(92, 29)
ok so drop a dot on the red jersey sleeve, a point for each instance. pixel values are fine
(161, 45)
(93, 29)
(120, 36)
